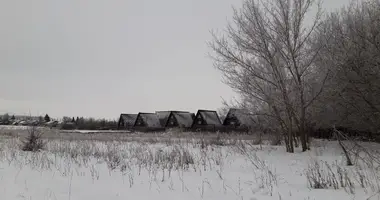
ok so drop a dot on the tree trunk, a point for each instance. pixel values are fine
(289, 141)
(304, 142)
(338, 136)
(302, 127)
(303, 136)
(287, 144)
(296, 144)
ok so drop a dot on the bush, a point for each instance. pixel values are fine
(68, 126)
(34, 141)
(217, 141)
(321, 175)
(275, 139)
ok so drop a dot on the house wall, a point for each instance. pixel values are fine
(172, 122)
(120, 124)
(148, 129)
(232, 128)
(231, 121)
(198, 121)
(139, 123)
(203, 127)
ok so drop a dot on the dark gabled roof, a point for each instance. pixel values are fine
(151, 119)
(241, 114)
(184, 119)
(164, 116)
(129, 118)
(210, 117)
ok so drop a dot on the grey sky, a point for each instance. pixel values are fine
(103, 57)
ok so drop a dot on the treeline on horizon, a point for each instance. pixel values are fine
(67, 123)
(81, 123)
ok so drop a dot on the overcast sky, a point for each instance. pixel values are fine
(102, 57)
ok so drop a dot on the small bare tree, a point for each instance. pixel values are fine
(267, 55)
(33, 142)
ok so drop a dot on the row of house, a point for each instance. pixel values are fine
(205, 120)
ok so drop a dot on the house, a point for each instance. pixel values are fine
(126, 121)
(23, 123)
(180, 119)
(163, 117)
(147, 122)
(206, 120)
(52, 123)
(34, 122)
(238, 119)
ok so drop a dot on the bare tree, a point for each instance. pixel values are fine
(267, 55)
(352, 54)
(5, 118)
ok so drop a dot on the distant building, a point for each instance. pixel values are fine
(23, 123)
(148, 122)
(126, 121)
(180, 119)
(206, 120)
(51, 124)
(238, 119)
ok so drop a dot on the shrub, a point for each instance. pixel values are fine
(275, 139)
(68, 126)
(321, 175)
(33, 141)
(217, 141)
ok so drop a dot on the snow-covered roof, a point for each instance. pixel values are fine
(211, 117)
(184, 119)
(129, 118)
(51, 122)
(150, 119)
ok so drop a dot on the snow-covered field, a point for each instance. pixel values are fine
(18, 128)
(13, 127)
(182, 169)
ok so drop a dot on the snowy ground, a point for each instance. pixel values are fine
(18, 128)
(12, 127)
(181, 169)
